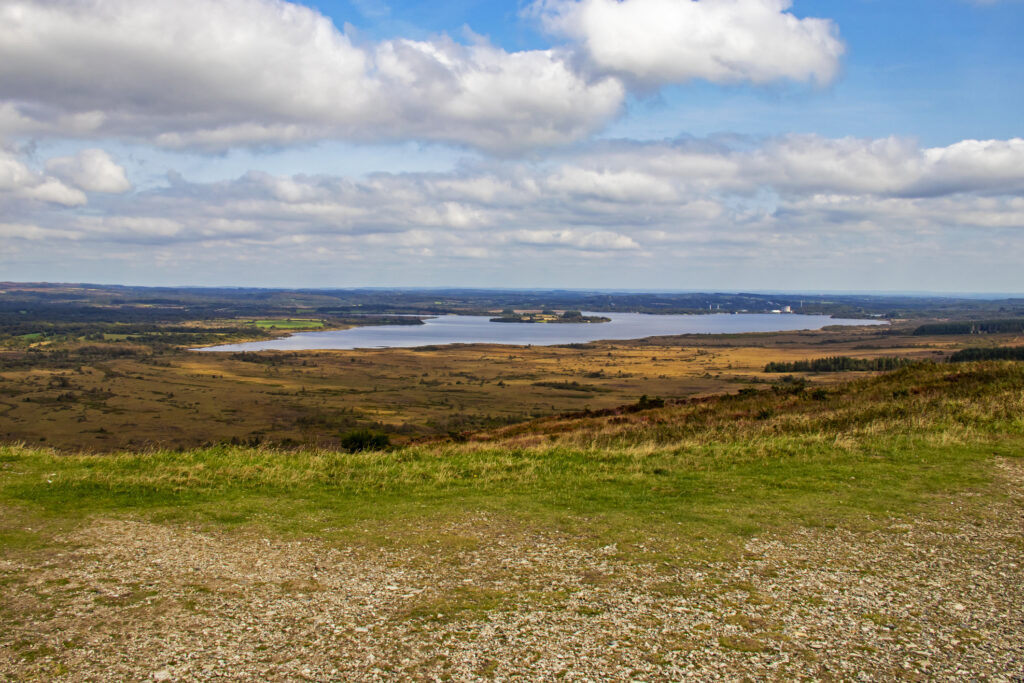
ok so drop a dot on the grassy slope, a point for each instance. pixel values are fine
(692, 478)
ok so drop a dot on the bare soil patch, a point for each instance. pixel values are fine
(935, 597)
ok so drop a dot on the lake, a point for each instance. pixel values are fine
(470, 329)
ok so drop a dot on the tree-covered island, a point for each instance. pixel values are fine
(548, 316)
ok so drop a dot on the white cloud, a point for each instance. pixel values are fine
(53, 191)
(913, 227)
(661, 207)
(91, 170)
(617, 186)
(14, 174)
(150, 226)
(18, 181)
(673, 41)
(602, 240)
(220, 73)
(34, 233)
(809, 163)
(890, 166)
(217, 74)
(976, 165)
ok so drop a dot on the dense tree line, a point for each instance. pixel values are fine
(972, 327)
(993, 353)
(839, 364)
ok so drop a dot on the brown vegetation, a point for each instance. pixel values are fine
(104, 397)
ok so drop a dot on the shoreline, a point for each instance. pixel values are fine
(849, 322)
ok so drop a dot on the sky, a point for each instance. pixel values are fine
(857, 145)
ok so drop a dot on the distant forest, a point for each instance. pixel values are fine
(840, 364)
(22, 303)
(994, 353)
(972, 327)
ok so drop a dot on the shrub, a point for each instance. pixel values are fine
(364, 440)
(645, 403)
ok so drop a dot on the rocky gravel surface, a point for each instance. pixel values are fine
(937, 597)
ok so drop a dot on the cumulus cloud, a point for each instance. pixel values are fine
(650, 200)
(216, 74)
(18, 181)
(656, 42)
(890, 166)
(623, 185)
(91, 170)
(220, 73)
(601, 240)
(35, 233)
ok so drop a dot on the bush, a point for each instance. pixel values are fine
(364, 440)
(647, 403)
(790, 384)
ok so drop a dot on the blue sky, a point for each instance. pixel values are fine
(855, 145)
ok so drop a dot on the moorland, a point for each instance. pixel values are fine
(840, 504)
(105, 368)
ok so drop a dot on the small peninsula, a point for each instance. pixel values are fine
(548, 316)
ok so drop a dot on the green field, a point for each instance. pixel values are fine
(288, 324)
(715, 471)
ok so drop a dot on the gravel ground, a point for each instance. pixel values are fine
(939, 597)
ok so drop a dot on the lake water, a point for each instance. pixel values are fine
(470, 329)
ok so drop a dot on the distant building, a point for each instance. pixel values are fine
(787, 309)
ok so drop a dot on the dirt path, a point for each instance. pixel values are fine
(940, 598)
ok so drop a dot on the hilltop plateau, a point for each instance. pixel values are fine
(868, 530)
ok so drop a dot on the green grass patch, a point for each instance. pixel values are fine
(742, 644)
(288, 324)
(712, 492)
(461, 603)
(702, 492)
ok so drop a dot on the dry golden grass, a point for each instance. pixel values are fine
(187, 399)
